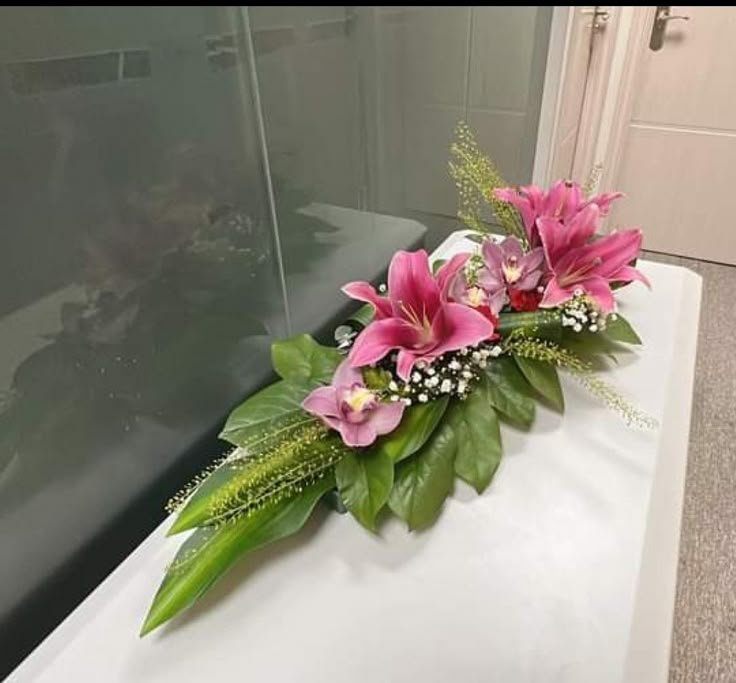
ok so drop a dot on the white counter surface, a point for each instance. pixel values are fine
(563, 571)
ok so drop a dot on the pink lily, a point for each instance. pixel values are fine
(590, 267)
(416, 316)
(352, 409)
(563, 202)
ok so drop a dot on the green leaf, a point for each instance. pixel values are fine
(621, 330)
(437, 264)
(301, 360)
(544, 378)
(417, 424)
(592, 347)
(211, 551)
(478, 435)
(424, 482)
(264, 413)
(363, 315)
(365, 480)
(541, 324)
(510, 393)
(280, 466)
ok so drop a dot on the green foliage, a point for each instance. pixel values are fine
(424, 481)
(417, 424)
(272, 410)
(478, 437)
(437, 264)
(510, 393)
(541, 324)
(544, 378)
(363, 315)
(302, 361)
(476, 176)
(364, 479)
(620, 330)
(376, 379)
(211, 551)
(280, 469)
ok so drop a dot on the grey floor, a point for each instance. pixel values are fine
(704, 638)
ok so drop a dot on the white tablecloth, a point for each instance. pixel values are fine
(564, 570)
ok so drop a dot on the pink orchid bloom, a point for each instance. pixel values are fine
(507, 267)
(589, 266)
(563, 202)
(416, 316)
(352, 409)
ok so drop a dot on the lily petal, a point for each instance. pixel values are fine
(614, 251)
(605, 200)
(446, 274)
(554, 295)
(600, 291)
(405, 363)
(458, 326)
(411, 286)
(521, 203)
(380, 337)
(629, 274)
(364, 291)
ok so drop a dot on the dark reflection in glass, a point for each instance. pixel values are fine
(138, 281)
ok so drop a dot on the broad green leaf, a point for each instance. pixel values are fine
(418, 422)
(621, 330)
(211, 551)
(510, 393)
(265, 412)
(542, 324)
(365, 480)
(423, 482)
(478, 435)
(544, 378)
(301, 360)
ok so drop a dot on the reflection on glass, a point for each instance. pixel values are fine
(361, 102)
(138, 287)
(139, 266)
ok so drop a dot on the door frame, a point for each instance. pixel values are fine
(630, 48)
(552, 93)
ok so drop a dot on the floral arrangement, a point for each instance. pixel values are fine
(413, 394)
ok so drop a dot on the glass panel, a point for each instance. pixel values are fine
(360, 104)
(138, 281)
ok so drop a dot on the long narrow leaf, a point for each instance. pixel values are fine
(211, 551)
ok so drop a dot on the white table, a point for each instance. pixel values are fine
(564, 570)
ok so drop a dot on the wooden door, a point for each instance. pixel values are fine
(677, 147)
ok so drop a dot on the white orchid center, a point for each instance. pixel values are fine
(360, 398)
(511, 269)
(476, 297)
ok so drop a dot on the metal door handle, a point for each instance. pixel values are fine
(600, 15)
(661, 17)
